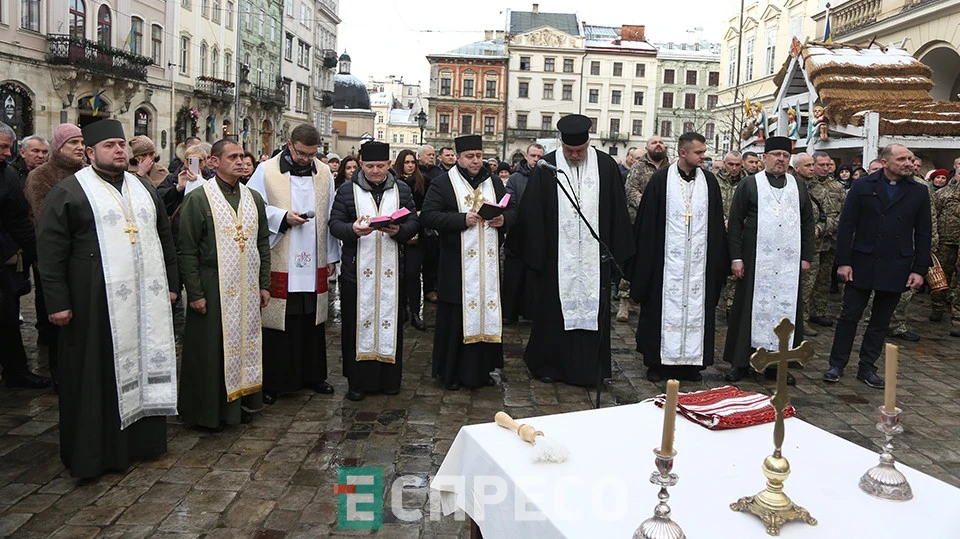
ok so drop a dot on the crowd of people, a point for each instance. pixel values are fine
(253, 249)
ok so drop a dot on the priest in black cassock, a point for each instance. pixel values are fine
(109, 270)
(467, 344)
(685, 262)
(568, 337)
(771, 237)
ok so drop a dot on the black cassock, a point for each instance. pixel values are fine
(646, 275)
(568, 356)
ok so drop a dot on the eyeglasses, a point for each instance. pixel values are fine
(300, 153)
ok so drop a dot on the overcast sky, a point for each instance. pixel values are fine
(393, 37)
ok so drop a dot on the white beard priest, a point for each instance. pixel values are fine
(569, 336)
(771, 234)
(685, 262)
(298, 190)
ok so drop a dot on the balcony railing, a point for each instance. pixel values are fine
(853, 15)
(269, 97)
(216, 89)
(532, 133)
(92, 56)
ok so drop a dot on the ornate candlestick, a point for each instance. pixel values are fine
(884, 480)
(660, 526)
(771, 505)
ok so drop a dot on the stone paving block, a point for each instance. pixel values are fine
(75, 532)
(230, 533)
(265, 490)
(296, 497)
(243, 462)
(95, 515)
(281, 521)
(34, 503)
(170, 493)
(142, 477)
(179, 474)
(247, 445)
(199, 459)
(223, 480)
(11, 522)
(32, 428)
(248, 512)
(14, 492)
(276, 471)
(146, 514)
(319, 513)
(206, 501)
(126, 531)
(182, 522)
(121, 496)
(287, 454)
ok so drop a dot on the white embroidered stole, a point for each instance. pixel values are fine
(578, 254)
(684, 271)
(378, 281)
(138, 300)
(777, 269)
(238, 264)
(480, 265)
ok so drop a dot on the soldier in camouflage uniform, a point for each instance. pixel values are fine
(946, 209)
(827, 195)
(639, 176)
(803, 168)
(729, 178)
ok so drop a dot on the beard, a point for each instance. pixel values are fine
(657, 156)
(110, 166)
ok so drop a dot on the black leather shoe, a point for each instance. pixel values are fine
(27, 380)
(771, 374)
(391, 392)
(417, 322)
(452, 386)
(491, 381)
(269, 398)
(871, 379)
(833, 375)
(736, 374)
(246, 417)
(547, 380)
(936, 316)
(356, 395)
(908, 336)
(822, 321)
(653, 375)
(324, 388)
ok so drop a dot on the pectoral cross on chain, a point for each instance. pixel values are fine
(131, 229)
(686, 217)
(241, 238)
(762, 358)
(474, 200)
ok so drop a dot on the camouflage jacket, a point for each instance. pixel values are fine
(946, 213)
(637, 180)
(827, 196)
(727, 188)
(934, 227)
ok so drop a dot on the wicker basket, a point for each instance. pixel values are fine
(936, 277)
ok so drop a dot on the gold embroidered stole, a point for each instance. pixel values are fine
(378, 286)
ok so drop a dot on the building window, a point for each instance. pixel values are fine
(568, 65)
(521, 121)
(618, 69)
(638, 99)
(708, 132)
(548, 90)
(156, 43)
(614, 126)
(203, 59)
(401, 138)
(185, 3)
(548, 64)
(690, 101)
(215, 63)
(104, 25)
(691, 77)
(615, 97)
(567, 92)
(260, 21)
(491, 88)
(468, 87)
(613, 150)
(594, 95)
(78, 18)
(30, 15)
(666, 128)
(227, 66)
(394, 138)
(136, 35)
(771, 50)
(637, 128)
(524, 63)
(711, 102)
(380, 134)
(546, 122)
(796, 27)
(303, 98)
(732, 69)
(688, 127)
(668, 76)
(184, 54)
(641, 71)
(523, 90)
(246, 18)
(216, 11)
(379, 118)
(303, 55)
(306, 15)
(748, 64)
(593, 125)
(489, 125)
(444, 86)
(413, 139)
(466, 124)
(667, 100)
(228, 16)
(205, 8)
(288, 48)
(713, 78)
(289, 9)
(594, 68)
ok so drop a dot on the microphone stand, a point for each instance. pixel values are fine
(606, 261)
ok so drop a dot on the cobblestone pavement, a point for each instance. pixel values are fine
(275, 477)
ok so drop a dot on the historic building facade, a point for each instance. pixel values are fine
(261, 86)
(324, 67)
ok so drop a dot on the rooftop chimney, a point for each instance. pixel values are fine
(536, 9)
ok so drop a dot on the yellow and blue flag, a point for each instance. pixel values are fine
(827, 30)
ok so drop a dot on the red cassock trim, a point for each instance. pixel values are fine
(279, 283)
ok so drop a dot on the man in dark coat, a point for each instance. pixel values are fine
(518, 291)
(681, 233)
(883, 248)
(569, 337)
(429, 240)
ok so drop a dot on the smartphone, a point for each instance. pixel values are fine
(194, 165)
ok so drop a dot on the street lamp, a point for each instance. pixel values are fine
(422, 122)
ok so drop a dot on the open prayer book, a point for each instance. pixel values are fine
(386, 220)
(492, 211)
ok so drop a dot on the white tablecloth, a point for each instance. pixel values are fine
(604, 491)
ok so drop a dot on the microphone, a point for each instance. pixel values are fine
(309, 215)
(543, 163)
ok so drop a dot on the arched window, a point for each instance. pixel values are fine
(78, 18)
(104, 36)
(136, 35)
(215, 63)
(141, 119)
(203, 59)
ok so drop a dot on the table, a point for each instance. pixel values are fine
(604, 489)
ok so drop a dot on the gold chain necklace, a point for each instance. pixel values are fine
(131, 228)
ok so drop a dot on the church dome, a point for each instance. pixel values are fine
(348, 91)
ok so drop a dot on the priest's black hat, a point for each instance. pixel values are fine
(375, 151)
(102, 130)
(468, 142)
(574, 129)
(778, 143)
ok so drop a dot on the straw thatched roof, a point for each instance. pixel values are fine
(852, 81)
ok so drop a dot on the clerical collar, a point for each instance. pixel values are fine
(287, 164)
(474, 180)
(688, 177)
(226, 187)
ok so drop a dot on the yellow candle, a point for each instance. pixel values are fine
(669, 417)
(890, 391)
